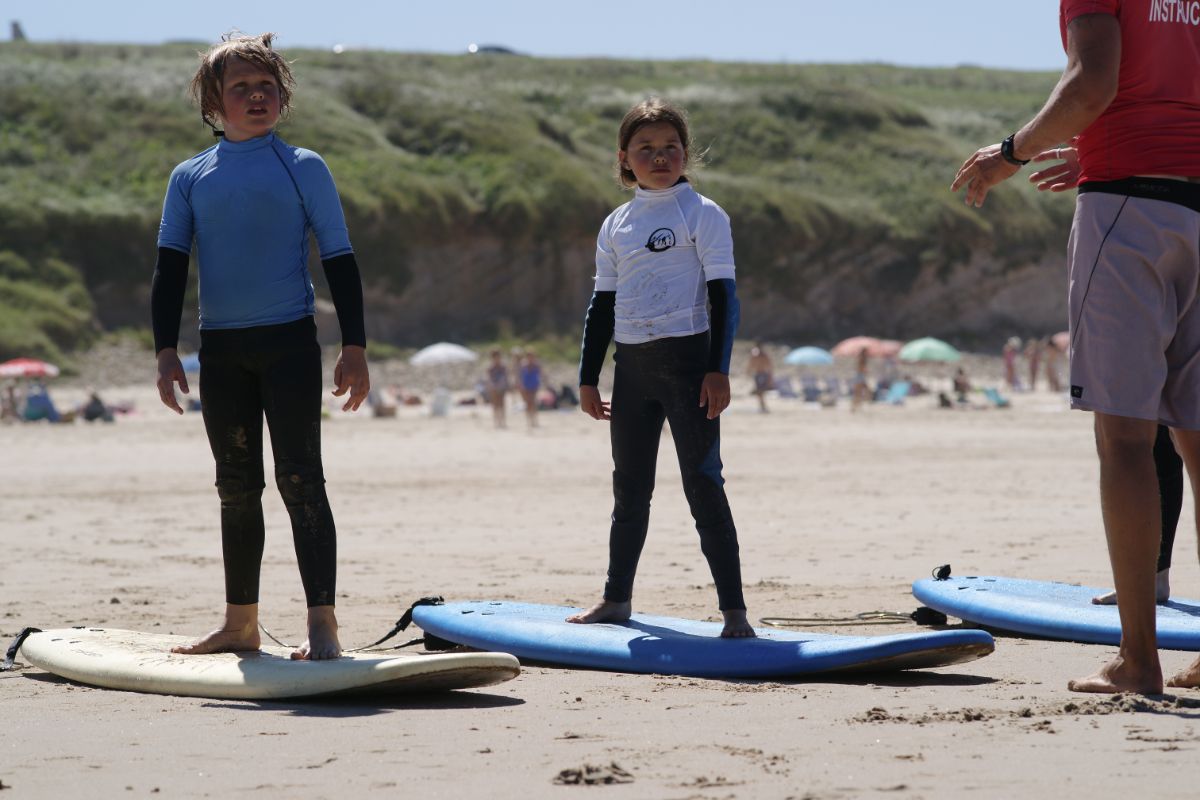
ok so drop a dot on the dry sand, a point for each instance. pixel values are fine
(838, 513)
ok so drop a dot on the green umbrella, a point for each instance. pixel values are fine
(928, 349)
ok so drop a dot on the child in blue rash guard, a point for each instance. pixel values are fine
(248, 204)
(661, 260)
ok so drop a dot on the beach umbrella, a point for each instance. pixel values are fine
(191, 363)
(876, 348)
(808, 356)
(1061, 340)
(442, 353)
(27, 368)
(929, 349)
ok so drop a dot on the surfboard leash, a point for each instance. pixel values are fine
(11, 656)
(402, 624)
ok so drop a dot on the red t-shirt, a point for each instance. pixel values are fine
(1152, 126)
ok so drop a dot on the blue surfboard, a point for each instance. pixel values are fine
(670, 646)
(1051, 610)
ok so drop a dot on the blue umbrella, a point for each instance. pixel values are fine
(191, 363)
(808, 356)
(929, 349)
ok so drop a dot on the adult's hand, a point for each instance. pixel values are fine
(591, 404)
(351, 375)
(170, 372)
(979, 173)
(714, 393)
(1060, 177)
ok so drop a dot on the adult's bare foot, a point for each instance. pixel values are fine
(322, 642)
(736, 625)
(604, 611)
(1119, 675)
(238, 634)
(1162, 591)
(1188, 679)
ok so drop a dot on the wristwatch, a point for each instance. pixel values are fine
(1006, 151)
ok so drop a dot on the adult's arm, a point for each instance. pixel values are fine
(1086, 88)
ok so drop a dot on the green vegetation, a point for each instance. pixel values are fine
(835, 160)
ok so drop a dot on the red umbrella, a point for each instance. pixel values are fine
(27, 368)
(876, 348)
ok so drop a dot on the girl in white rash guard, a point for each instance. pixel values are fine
(661, 260)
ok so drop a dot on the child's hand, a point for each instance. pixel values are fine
(170, 372)
(351, 375)
(591, 404)
(714, 393)
(1060, 177)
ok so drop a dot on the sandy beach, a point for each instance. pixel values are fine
(117, 525)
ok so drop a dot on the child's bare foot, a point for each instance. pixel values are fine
(322, 642)
(1119, 675)
(736, 625)
(605, 611)
(238, 634)
(1188, 679)
(1162, 591)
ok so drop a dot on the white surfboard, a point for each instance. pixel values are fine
(143, 662)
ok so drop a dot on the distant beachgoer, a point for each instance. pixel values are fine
(248, 204)
(1033, 357)
(1011, 348)
(962, 385)
(10, 405)
(95, 409)
(1129, 102)
(763, 372)
(861, 391)
(39, 406)
(661, 260)
(530, 376)
(1052, 377)
(496, 383)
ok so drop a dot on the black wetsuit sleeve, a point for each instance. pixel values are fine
(345, 287)
(167, 288)
(597, 333)
(725, 312)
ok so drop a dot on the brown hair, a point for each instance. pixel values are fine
(255, 50)
(648, 112)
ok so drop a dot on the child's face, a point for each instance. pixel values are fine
(655, 156)
(249, 101)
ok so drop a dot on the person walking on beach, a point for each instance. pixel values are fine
(1130, 102)
(530, 376)
(496, 384)
(763, 372)
(248, 204)
(661, 260)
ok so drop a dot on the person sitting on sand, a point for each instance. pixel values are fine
(653, 295)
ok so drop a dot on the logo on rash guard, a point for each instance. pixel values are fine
(662, 239)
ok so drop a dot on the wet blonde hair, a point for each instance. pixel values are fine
(254, 50)
(648, 112)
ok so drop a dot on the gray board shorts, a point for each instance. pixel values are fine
(1134, 272)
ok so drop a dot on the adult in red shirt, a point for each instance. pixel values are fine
(1129, 100)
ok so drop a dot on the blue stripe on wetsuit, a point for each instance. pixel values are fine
(726, 313)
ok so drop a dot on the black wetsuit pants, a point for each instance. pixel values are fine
(273, 370)
(654, 381)
(1169, 467)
